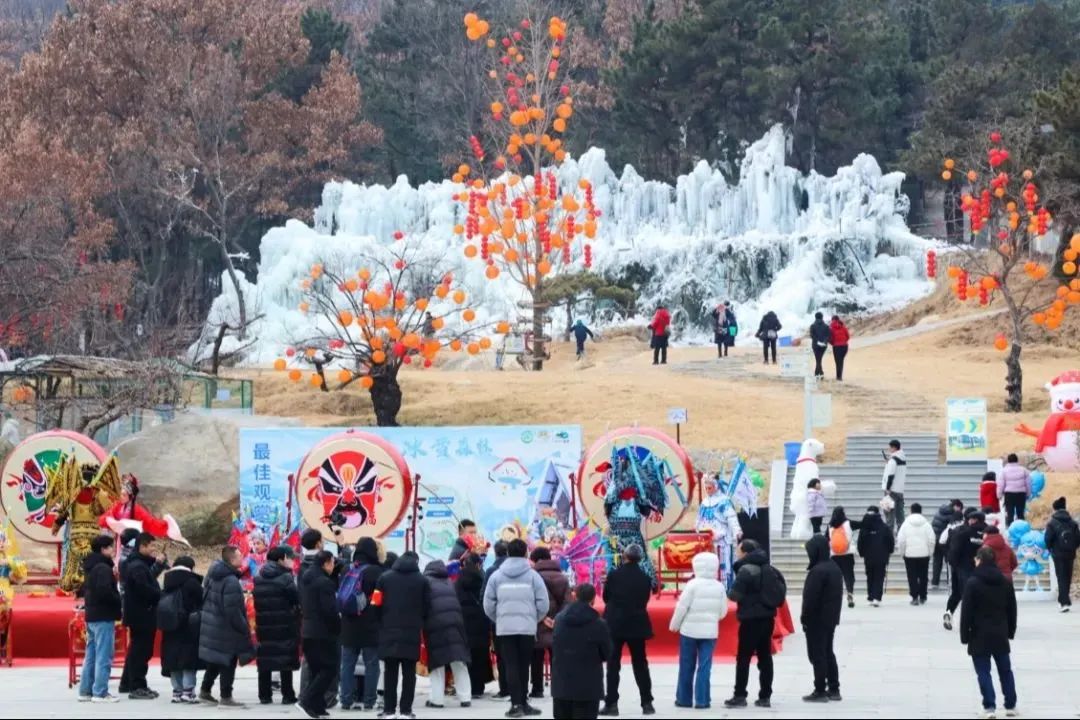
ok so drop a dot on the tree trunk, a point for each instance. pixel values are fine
(386, 399)
(1014, 381)
(231, 269)
(538, 345)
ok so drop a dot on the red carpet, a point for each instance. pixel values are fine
(40, 627)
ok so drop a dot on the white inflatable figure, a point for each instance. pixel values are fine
(1059, 439)
(806, 469)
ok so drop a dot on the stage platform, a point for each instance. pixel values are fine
(41, 629)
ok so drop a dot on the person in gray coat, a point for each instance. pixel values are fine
(516, 599)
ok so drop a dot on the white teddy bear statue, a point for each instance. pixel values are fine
(806, 469)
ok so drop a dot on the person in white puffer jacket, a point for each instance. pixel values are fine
(916, 545)
(701, 607)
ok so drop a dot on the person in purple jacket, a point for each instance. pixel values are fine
(815, 501)
(1014, 487)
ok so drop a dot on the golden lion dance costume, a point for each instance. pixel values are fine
(12, 571)
(80, 496)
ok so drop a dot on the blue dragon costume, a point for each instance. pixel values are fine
(637, 488)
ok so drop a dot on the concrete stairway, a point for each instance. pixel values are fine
(858, 486)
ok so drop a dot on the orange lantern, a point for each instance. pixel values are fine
(946, 175)
(315, 380)
(1039, 318)
(470, 251)
(309, 352)
(438, 323)
(474, 348)
(469, 315)
(279, 364)
(1001, 343)
(344, 376)
(378, 357)
(1068, 267)
(421, 304)
(455, 345)
(459, 296)
(304, 307)
(502, 328)
(485, 343)
(949, 163)
(294, 375)
(544, 266)
(492, 272)
(366, 382)
(345, 317)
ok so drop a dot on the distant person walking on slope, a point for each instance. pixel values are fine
(1014, 485)
(661, 331)
(842, 548)
(581, 333)
(840, 339)
(823, 599)
(768, 332)
(724, 328)
(893, 480)
(820, 337)
(916, 542)
(875, 547)
(1062, 540)
(987, 624)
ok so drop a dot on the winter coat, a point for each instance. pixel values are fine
(987, 612)
(362, 631)
(470, 592)
(581, 331)
(820, 333)
(815, 503)
(1014, 478)
(1004, 556)
(895, 475)
(875, 540)
(444, 628)
(661, 323)
(516, 598)
(180, 647)
(723, 325)
(942, 518)
(626, 602)
(840, 334)
(307, 562)
(406, 602)
(459, 548)
(846, 529)
(141, 591)
(703, 602)
(558, 587)
(581, 645)
(101, 596)
(277, 618)
(988, 496)
(823, 592)
(224, 632)
(916, 537)
(964, 542)
(1059, 523)
(746, 589)
(768, 323)
(321, 620)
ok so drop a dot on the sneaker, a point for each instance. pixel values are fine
(763, 703)
(515, 712)
(86, 698)
(609, 710)
(190, 699)
(292, 701)
(177, 698)
(466, 703)
(735, 702)
(430, 704)
(530, 711)
(206, 698)
(406, 716)
(502, 695)
(1064, 609)
(876, 603)
(988, 714)
(648, 709)
(381, 716)
(1012, 712)
(141, 694)
(230, 703)
(946, 620)
(850, 600)
(915, 601)
(835, 696)
(106, 698)
(315, 716)
(922, 601)
(816, 697)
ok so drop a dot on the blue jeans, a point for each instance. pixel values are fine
(183, 681)
(97, 663)
(348, 691)
(694, 653)
(986, 683)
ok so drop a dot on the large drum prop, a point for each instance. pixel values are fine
(594, 475)
(355, 481)
(27, 473)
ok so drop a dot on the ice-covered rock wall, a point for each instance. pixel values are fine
(776, 240)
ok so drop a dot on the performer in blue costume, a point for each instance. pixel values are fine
(635, 491)
(719, 516)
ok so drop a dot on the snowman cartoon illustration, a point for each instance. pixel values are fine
(1059, 440)
(511, 482)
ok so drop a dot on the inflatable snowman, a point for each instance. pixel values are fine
(1059, 440)
(806, 469)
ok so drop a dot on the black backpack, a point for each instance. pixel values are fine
(773, 587)
(171, 615)
(1069, 537)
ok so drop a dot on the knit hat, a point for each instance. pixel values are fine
(992, 530)
(1059, 504)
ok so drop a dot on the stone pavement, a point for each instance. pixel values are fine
(896, 661)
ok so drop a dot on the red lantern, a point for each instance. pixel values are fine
(995, 137)
(399, 348)
(398, 234)
(290, 352)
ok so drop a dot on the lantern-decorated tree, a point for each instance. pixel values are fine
(398, 309)
(519, 220)
(1003, 209)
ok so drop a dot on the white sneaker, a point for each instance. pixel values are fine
(86, 698)
(1012, 712)
(947, 620)
(106, 698)
(988, 714)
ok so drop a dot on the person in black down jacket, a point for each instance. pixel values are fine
(502, 551)
(626, 611)
(942, 518)
(470, 589)
(581, 645)
(987, 624)
(403, 609)
(820, 337)
(875, 545)
(964, 542)
(141, 596)
(444, 631)
(180, 647)
(558, 587)
(311, 544)
(768, 332)
(1062, 540)
(321, 629)
(360, 633)
(277, 624)
(224, 633)
(102, 605)
(823, 597)
(756, 620)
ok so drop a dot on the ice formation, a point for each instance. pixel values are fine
(777, 240)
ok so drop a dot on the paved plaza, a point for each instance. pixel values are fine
(895, 661)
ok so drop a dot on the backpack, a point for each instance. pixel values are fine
(170, 612)
(351, 599)
(839, 542)
(773, 587)
(1069, 538)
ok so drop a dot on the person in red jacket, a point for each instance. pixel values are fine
(1004, 557)
(988, 493)
(661, 329)
(840, 338)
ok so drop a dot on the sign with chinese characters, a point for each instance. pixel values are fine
(966, 439)
(510, 480)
